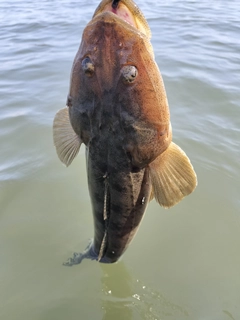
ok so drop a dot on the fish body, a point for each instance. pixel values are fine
(117, 106)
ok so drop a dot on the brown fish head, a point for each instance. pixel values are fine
(115, 66)
(107, 43)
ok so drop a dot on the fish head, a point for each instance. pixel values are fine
(115, 65)
(107, 45)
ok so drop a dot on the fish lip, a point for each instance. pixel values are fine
(128, 12)
(108, 14)
(112, 6)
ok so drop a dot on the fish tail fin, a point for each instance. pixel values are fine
(172, 176)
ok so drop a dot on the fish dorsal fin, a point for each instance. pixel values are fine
(66, 141)
(172, 176)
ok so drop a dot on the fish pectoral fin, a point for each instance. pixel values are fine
(66, 141)
(172, 176)
(151, 195)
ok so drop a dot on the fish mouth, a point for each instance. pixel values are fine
(115, 4)
(127, 11)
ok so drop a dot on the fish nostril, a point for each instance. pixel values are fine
(115, 4)
(88, 66)
(129, 73)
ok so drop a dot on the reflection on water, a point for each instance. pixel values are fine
(127, 297)
(116, 301)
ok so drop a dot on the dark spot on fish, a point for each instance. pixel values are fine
(135, 169)
(129, 155)
(88, 66)
(162, 133)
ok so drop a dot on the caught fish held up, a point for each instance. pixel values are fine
(117, 107)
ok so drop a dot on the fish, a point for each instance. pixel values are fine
(117, 107)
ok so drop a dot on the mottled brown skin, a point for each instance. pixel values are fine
(124, 126)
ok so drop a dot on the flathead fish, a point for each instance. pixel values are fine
(117, 106)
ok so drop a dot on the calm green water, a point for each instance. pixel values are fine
(184, 263)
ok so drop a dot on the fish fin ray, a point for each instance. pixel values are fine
(66, 141)
(151, 195)
(172, 176)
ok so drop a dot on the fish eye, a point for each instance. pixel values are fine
(88, 66)
(129, 73)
